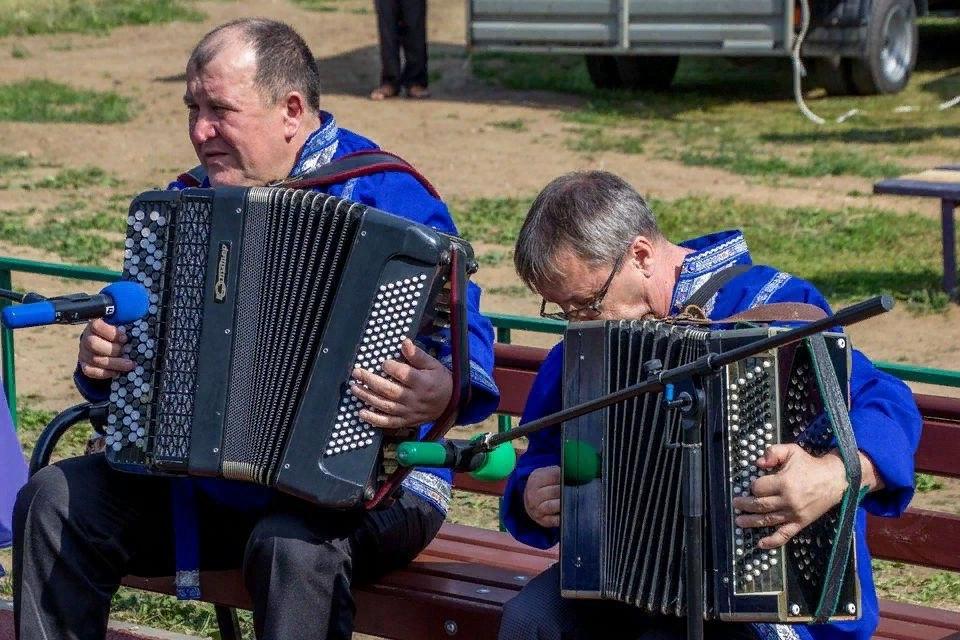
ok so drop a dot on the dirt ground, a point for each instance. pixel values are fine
(449, 137)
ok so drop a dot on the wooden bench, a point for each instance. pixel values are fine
(457, 587)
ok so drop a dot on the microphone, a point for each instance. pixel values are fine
(118, 303)
(461, 455)
(581, 463)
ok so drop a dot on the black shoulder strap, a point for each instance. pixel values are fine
(702, 295)
(352, 165)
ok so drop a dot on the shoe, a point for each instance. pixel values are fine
(417, 92)
(383, 92)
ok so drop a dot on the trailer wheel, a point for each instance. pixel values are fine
(603, 71)
(647, 72)
(891, 49)
(833, 74)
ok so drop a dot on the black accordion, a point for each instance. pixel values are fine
(622, 533)
(262, 302)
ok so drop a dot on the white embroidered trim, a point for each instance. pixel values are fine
(710, 259)
(774, 284)
(430, 487)
(347, 192)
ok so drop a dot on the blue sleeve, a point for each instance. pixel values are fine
(543, 450)
(92, 390)
(401, 194)
(885, 418)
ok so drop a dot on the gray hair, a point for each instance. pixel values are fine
(594, 214)
(284, 61)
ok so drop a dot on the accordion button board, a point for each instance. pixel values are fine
(622, 534)
(262, 302)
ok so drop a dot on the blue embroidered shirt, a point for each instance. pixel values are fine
(884, 416)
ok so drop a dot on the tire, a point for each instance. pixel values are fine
(833, 74)
(603, 71)
(647, 73)
(890, 51)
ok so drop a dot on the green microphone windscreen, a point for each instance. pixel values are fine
(498, 464)
(421, 454)
(581, 463)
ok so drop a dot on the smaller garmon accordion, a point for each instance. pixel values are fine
(622, 531)
(262, 302)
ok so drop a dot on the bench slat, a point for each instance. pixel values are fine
(902, 630)
(919, 536)
(395, 613)
(920, 614)
(490, 538)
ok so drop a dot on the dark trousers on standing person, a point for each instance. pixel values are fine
(538, 612)
(80, 526)
(403, 26)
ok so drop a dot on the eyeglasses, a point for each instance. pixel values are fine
(589, 311)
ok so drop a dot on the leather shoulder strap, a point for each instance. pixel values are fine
(353, 165)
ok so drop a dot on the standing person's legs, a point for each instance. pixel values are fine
(413, 38)
(301, 561)
(388, 27)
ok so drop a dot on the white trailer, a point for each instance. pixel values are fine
(857, 46)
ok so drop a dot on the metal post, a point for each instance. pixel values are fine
(504, 423)
(949, 247)
(9, 364)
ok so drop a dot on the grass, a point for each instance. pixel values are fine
(494, 258)
(77, 179)
(847, 253)
(715, 102)
(821, 162)
(518, 124)
(511, 291)
(29, 17)
(925, 483)
(10, 163)
(921, 586)
(70, 230)
(19, 52)
(323, 6)
(594, 139)
(47, 101)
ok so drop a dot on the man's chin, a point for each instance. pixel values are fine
(231, 177)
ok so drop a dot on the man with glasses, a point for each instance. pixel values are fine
(591, 247)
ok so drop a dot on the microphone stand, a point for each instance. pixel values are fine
(683, 391)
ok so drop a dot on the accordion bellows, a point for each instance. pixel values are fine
(622, 535)
(263, 301)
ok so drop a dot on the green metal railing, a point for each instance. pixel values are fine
(505, 325)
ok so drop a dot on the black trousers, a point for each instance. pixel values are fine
(539, 613)
(80, 526)
(402, 24)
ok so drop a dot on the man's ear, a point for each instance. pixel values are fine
(294, 111)
(642, 254)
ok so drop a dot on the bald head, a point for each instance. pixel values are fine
(282, 59)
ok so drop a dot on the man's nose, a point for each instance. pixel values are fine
(202, 129)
